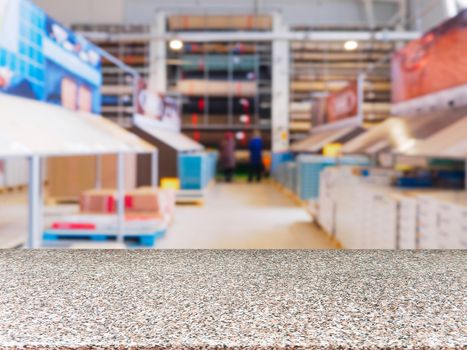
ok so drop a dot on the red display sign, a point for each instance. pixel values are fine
(343, 104)
(340, 106)
(433, 63)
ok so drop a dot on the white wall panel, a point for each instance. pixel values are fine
(84, 11)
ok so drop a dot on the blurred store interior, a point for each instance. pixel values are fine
(254, 124)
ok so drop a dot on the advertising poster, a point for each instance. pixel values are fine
(343, 104)
(341, 107)
(43, 60)
(157, 110)
(433, 63)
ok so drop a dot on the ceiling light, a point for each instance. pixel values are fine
(176, 45)
(350, 45)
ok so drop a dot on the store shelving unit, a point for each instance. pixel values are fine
(64, 133)
(223, 86)
(318, 68)
(129, 44)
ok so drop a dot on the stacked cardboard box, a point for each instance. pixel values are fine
(407, 222)
(366, 212)
(442, 220)
(98, 201)
(147, 198)
(139, 201)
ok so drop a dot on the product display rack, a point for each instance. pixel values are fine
(223, 86)
(319, 68)
(130, 44)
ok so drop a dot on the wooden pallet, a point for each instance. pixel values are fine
(13, 189)
(61, 200)
(190, 201)
(193, 197)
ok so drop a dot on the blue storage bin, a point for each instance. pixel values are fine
(196, 170)
(309, 170)
(277, 159)
(192, 171)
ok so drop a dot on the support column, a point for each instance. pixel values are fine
(155, 169)
(280, 87)
(35, 204)
(120, 197)
(158, 55)
(361, 97)
(465, 174)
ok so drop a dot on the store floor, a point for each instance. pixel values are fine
(244, 216)
(13, 219)
(234, 216)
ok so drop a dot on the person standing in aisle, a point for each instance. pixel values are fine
(256, 157)
(227, 156)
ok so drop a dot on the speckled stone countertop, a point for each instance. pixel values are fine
(233, 299)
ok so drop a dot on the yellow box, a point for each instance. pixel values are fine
(332, 150)
(170, 183)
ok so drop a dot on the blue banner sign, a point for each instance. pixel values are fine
(43, 60)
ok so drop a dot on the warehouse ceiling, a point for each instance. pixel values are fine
(344, 14)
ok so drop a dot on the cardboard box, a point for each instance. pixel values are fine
(98, 201)
(144, 200)
(165, 199)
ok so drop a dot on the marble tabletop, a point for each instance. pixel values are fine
(117, 299)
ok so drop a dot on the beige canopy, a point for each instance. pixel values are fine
(28, 128)
(315, 142)
(173, 139)
(400, 134)
(450, 142)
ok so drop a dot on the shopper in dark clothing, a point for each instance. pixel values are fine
(256, 158)
(227, 156)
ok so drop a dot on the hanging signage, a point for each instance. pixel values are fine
(434, 63)
(157, 110)
(339, 109)
(42, 60)
(343, 104)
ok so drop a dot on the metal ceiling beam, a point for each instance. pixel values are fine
(399, 19)
(261, 36)
(369, 11)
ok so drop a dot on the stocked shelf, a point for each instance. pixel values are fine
(117, 89)
(366, 212)
(223, 86)
(319, 68)
(400, 134)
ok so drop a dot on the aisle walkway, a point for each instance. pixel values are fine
(13, 219)
(237, 216)
(244, 216)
